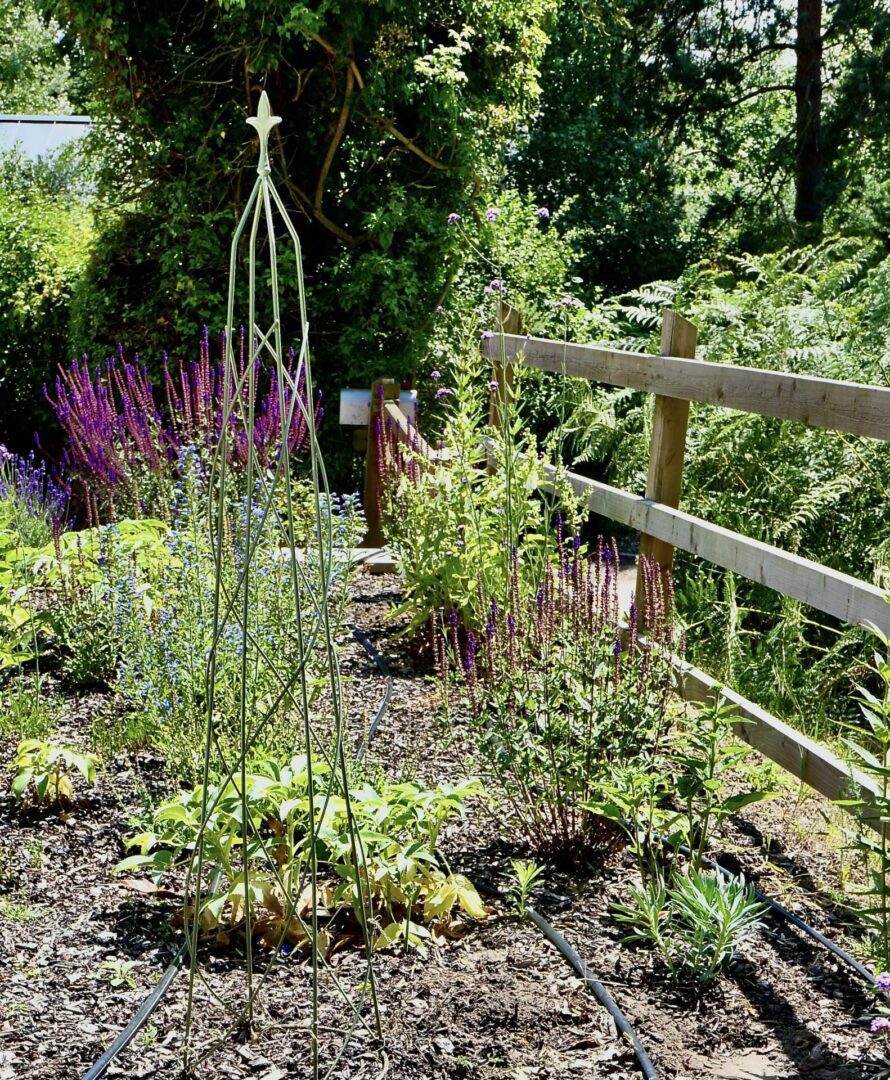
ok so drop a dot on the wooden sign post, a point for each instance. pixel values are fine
(382, 390)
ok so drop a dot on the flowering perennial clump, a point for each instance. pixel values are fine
(125, 435)
(560, 693)
(32, 501)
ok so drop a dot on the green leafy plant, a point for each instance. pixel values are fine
(161, 618)
(870, 748)
(43, 771)
(118, 973)
(453, 523)
(526, 874)
(559, 700)
(397, 826)
(697, 924)
(704, 756)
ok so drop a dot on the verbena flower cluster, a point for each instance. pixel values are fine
(125, 435)
(880, 1024)
(560, 694)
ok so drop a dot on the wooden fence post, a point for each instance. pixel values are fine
(668, 447)
(382, 390)
(502, 371)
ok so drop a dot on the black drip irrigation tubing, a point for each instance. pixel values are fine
(155, 995)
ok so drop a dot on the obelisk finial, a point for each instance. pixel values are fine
(264, 121)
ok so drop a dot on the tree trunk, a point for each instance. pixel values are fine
(808, 92)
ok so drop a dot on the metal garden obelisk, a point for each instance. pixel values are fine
(263, 506)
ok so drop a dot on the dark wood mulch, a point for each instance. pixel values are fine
(498, 1003)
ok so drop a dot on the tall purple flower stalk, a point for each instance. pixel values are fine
(125, 435)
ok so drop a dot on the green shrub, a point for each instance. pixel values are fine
(47, 233)
(43, 771)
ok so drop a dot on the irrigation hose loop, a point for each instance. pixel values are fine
(126, 1035)
(603, 995)
(370, 649)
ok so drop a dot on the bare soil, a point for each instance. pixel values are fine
(498, 1003)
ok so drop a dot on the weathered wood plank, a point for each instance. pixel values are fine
(847, 598)
(409, 435)
(825, 403)
(667, 447)
(502, 371)
(382, 391)
(808, 761)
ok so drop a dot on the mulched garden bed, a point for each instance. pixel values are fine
(497, 1003)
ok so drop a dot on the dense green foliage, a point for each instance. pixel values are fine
(47, 234)
(821, 310)
(390, 117)
(671, 126)
(35, 75)
(376, 850)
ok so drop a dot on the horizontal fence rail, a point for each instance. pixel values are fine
(408, 434)
(808, 761)
(676, 380)
(855, 408)
(847, 598)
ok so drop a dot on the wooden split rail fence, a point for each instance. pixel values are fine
(676, 379)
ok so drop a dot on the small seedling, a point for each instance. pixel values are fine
(42, 770)
(117, 972)
(21, 910)
(526, 874)
(34, 849)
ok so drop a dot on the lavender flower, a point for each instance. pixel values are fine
(882, 982)
(880, 1024)
(493, 213)
(443, 391)
(487, 335)
(543, 213)
(453, 219)
(435, 375)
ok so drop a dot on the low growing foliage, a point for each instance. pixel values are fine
(395, 825)
(697, 923)
(43, 771)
